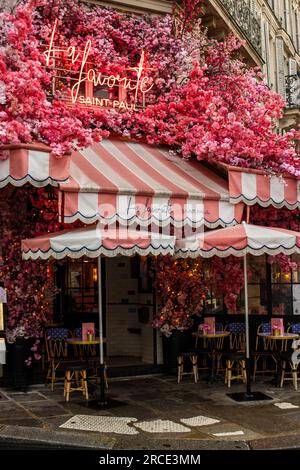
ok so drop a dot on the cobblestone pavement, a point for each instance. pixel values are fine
(154, 412)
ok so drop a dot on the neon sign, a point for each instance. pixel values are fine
(139, 84)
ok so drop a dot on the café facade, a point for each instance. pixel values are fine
(126, 182)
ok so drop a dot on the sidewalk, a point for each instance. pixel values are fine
(149, 415)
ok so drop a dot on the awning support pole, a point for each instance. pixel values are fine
(248, 359)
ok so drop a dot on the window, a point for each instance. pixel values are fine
(257, 286)
(80, 292)
(285, 290)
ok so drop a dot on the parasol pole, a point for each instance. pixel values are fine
(102, 399)
(248, 363)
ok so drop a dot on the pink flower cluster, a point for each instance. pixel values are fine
(227, 279)
(182, 290)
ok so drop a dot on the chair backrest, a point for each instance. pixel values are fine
(57, 348)
(77, 333)
(237, 335)
(296, 328)
(57, 333)
(264, 327)
(261, 343)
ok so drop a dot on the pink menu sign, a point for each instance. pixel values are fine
(3, 298)
(277, 323)
(211, 322)
(87, 328)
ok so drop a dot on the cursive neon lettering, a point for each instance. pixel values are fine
(141, 83)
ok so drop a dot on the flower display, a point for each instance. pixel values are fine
(182, 289)
(29, 284)
(209, 105)
(204, 327)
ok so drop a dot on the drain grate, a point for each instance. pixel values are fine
(106, 424)
(160, 425)
(199, 421)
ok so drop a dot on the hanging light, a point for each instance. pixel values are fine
(95, 274)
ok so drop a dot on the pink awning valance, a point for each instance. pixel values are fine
(258, 187)
(32, 164)
(94, 241)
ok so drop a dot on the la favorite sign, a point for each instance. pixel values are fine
(139, 83)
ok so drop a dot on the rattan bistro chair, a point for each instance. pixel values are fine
(288, 366)
(90, 354)
(57, 354)
(75, 379)
(263, 351)
(235, 358)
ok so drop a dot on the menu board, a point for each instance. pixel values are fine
(87, 328)
(3, 298)
(277, 323)
(210, 321)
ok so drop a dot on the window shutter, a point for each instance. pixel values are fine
(288, 16)
(267, 52)
(280, 68)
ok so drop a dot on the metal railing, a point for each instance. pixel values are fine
(292, 84)
(248, 22)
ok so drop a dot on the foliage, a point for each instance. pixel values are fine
(208, 105)
(182, 290)
(29, 284)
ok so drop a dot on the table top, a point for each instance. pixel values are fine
(80, 341)
(282, 336)
(217, 334)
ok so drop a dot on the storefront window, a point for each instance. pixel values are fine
(284, 287)
(257, 285)
(80, 297)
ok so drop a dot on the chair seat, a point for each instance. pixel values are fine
(263, 353)
(285, 355)
(76, 365)
(193, 352)
(234, 356)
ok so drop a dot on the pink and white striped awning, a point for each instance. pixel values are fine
(136, 183)
(257, 187)
(94, 241)
(239, 240)
(32, 164)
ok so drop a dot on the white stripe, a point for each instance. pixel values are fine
(125, 206)
(259, 237)
(249, 189)
(277, 190)
(226, 212)
(4, 169)
(88, 204)
(108, 170)
(38, 164)
(81, 179)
